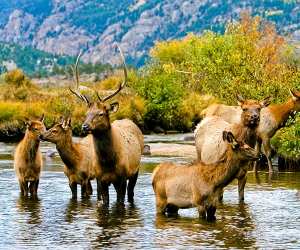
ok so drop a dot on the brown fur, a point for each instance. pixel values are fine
(198, 185)
(118, 147)
(78, 157)
(208, 136)
(28, 158)
(272, 118)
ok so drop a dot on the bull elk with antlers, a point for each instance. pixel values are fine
(118, 145)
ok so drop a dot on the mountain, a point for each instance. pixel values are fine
(67, 26)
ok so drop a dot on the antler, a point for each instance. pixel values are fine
(121, 86)
(76, 81)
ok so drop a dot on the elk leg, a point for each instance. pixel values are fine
(258, 150)
(104, 193)
(73, 187)
(120, 187)
(89, 188)
(241, 186)
(172, 210)
(161, 206)
(98, 189)
(268, 152)
(84, 189)
(130, 187)
(202, 212)
(24, 188)
(211, 213)
(33, 186)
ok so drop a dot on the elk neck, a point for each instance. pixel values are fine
(106, 154)
(68, 152)
(246, 134)
(31, 145)
(224, 174)
(281, 112)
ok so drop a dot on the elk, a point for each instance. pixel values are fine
(208, 136)
(118, 145)
(272, 118)
(199, 185)
(77, 157)
(28, 159)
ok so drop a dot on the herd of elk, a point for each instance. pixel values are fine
(78, 157)
(111, 152)
(28, 159)
(272, 118)
(199, 185)
(208, 136)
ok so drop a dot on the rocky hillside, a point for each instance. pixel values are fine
(66, 26)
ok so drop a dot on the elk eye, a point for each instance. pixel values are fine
(100, 114)
(244, 109)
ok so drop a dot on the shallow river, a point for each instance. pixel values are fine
(270, 219)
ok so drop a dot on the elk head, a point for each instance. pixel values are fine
(35, 127)
(97, 117)
(296, 99)
(251, 110)
(59, 131)
(241, 150)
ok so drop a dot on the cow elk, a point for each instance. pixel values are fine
(208, 136)
(28, 159)
(199, 185)
(272, 118)
(79, 158)
(118, 145)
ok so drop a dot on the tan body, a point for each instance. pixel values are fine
(272, 118)
(78, 157)
(118, 145)
(208, 137)
(119, 158)
(28, 159)
(197, 185)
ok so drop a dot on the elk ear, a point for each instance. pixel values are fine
(240, 99)
(42, 118)
(68, 123)
(295, 95)
(113, 107)
(228, 136)
(265, 102)
(27, 122)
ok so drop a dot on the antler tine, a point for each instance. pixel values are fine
(98, 96)
(76, 80)
(121, 86)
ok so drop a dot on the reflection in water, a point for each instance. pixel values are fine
(115, 222)
(268, 220)
(233, 229)
(30, 206)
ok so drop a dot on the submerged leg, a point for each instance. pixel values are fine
(120, 187)
(130, 187)
(161, 206)
(84, 189)
(172, 210)
(241, 187)
(24, 188)
(104, 193)
(89, 188)
(202, 212)
(73, 187)
(33, 187)
(211, 213)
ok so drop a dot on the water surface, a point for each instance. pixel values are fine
(270, 219)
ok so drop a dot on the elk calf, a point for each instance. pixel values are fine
(208, 136)
(199, 185)
(28, 158)
(79, 158)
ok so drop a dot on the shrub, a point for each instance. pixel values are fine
(16, 78)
